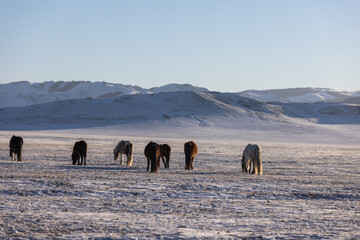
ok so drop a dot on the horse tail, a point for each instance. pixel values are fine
(188, 148)
(257, 162)
(130, 154)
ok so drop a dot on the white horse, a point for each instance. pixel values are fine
(124, 147)
(252, 157)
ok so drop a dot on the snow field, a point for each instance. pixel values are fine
(307, 191)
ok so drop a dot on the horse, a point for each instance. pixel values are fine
(79, 153)
(15, 145)
(165, 150)
(252, 157)
(190, 150)
(124, 147)
(152, 154)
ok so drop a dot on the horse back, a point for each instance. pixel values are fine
(252, 151)
(16, 142)
(80, 147)
(152, 149)
(190, 149)
(128, 147)
(165, 150)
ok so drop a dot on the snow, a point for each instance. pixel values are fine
(304, 193)
(309, 187)
(177, 87)
(193, 112)
(25, 93)
(299, 95)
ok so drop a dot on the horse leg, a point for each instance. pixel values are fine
(167, 162)
(79, 160)
(191, 163)
(154, 164)
(129, 159)
(85, 159)
(19, 156)
(121, 159)
(187, 163)
(158, 163)
(163, 159)
(148, 164)
(248, 166)
(13, 156)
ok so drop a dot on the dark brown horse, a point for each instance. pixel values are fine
(165, 150)
(79, 153)
(15, 145)
(152, 154)
(190, 150)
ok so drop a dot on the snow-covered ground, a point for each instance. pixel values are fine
(307, 190)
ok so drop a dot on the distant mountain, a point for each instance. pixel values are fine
(178, 87)
(300, 95)
(223, 110)
(25, 93)
(353, 100)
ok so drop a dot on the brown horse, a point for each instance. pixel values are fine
(15, 145)
(190, 150)
(152, 154)
(165, 150)
(79, 153)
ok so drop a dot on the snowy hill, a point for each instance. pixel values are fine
(195, 109)
(25, 93)
(304, 95)
(178, 87)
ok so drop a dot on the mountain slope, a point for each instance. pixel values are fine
(300, 95)
(26, 93)
(195, 108)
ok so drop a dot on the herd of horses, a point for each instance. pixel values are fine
(250, 162)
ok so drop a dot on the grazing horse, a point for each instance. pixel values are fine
(127, 148)
(79, 153)
(165, 150)
(252, 157)
(152, 154)
(15, 145)
(190, 150)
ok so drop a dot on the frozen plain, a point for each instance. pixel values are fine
(307, 190)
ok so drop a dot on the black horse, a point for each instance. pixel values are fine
(152, 154)
(79, 153)
(15, 145)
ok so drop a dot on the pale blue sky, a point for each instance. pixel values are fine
(222, 45)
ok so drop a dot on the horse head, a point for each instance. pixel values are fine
(116, 154)
(75, 158)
